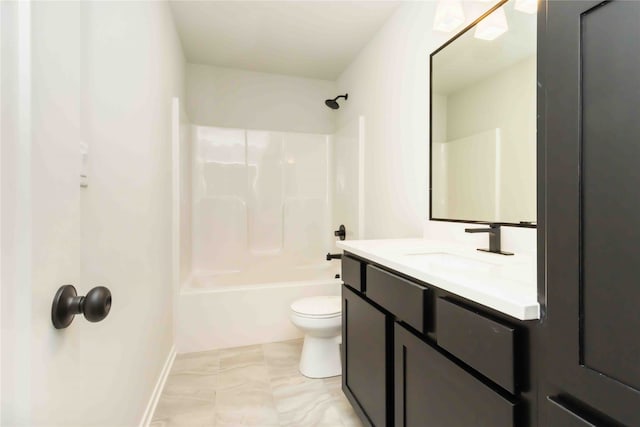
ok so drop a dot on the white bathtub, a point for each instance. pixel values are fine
(220, 310)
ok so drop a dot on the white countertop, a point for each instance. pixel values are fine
(504, 283)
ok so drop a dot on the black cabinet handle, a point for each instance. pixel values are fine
(341, 232)
(66, 304)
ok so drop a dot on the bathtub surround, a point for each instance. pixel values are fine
(260, 201)
(237, 316)
(348, 177)
(265, 204)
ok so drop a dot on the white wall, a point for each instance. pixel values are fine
(234, 98)
(185, 160)
(134, 66)
(15, 250)
(388, 83)
(102, 73)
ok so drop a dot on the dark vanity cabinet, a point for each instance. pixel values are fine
(364, 330)
(417, 356)
(588, 180)
(431, 389)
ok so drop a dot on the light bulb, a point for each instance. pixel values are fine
(449, 15)
(493, 26)
(526, 6)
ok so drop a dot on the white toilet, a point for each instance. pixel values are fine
(320, 318)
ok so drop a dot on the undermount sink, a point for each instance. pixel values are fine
(453, 262)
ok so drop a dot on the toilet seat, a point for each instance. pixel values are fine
(321, 307)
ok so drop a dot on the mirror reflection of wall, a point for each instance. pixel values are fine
(483, 142)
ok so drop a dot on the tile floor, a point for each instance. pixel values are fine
(257, 386)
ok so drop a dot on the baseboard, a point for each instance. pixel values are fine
(157, 390)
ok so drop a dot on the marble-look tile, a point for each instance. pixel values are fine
(253, 377)
(257, 385)
(226, 353)
(306, 404)
(249, 407)
(283, 361)
(193, 406)
(199, 417)
(193, 376)
(345, 410)
(333, 383)
(242, 360)
(285, 352)
(206, 361)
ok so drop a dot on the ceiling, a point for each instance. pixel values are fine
(316, 39)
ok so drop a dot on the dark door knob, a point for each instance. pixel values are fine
(341, 232)
(66, 304)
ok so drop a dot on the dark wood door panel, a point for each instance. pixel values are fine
(610, 181)
(590, 84)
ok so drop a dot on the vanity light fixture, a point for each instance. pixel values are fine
(493, 26)
(449, 15)
(526, 6)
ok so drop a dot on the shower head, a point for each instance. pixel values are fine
(333, 103)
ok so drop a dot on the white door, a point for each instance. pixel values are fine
(43, 368)
(60, 88)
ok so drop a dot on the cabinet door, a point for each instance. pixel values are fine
(591, 91)
(364, 371)
(433, 391)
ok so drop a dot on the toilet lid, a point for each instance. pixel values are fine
(318, 306)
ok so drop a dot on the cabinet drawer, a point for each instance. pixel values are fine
(484, 344)
(431, 390)
(405, 299)
(353, 273)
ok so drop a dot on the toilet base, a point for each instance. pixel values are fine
(320, 357)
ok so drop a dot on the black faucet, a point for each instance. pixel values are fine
(494, 238)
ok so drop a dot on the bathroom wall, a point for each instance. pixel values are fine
(388, 83)
(233, 98)
(132, 67)
(185, 156)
